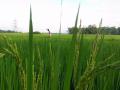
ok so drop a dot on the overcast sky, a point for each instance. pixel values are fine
(46, 13)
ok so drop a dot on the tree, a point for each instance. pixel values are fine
(91, 29)
(118, 30)
(71, 30)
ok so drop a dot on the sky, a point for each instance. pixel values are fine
(14, 14)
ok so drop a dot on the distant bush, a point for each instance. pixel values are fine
(92, 29)
(36, 32)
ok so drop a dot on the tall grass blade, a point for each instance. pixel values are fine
(61, 17)
(75, 30)
(71, 58)
(1, 55)
(76, 22)
(30, 60)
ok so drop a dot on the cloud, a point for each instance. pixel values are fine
(93, 10)
(46, 13)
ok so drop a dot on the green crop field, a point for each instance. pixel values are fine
(52, 61)
(59, 62)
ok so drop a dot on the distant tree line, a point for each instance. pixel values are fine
(12, 31)
(7, 31)
(92, 29)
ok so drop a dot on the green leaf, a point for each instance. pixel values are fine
(1, 55)
(30, 60)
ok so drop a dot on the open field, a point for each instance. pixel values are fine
(55, 67)
(86, 36)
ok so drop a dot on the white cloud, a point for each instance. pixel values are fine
(93, 10)
(46, 13)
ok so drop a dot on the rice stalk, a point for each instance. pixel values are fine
(30, 60)
(85, 78)
(2, 55)
(71, 63)
(13, 51)
(61, 12)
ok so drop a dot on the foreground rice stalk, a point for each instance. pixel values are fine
(13, 51)
(92, 69)
(39, 81)
(86, 77)
(71, 68)
(30, 60)
(61, 17)
(1, 55)
(78, 50)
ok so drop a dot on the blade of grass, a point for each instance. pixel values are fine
(71, 58)
(30, 60)
(1, 55)
(60, 17)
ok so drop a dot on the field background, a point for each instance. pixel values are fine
(52, 57)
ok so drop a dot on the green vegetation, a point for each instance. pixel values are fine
(52, 57)
(92, 29)
(60, 62)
